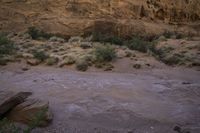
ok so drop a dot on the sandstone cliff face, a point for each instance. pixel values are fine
(121, 17)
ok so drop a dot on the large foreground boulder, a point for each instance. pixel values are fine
(9, 100)
(32, 111)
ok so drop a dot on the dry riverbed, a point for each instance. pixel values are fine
(142, 101)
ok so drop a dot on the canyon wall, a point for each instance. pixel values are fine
(120, 17)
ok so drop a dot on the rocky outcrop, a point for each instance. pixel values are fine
(32, 110)
(16, 107)
(9, 100)
(78, 17)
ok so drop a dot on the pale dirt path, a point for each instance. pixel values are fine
(152, 101)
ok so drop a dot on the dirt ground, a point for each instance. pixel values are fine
(142, 101)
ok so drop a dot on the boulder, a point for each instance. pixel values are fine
(9, 100)
(32, 111)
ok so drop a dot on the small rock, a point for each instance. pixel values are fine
(129, 131)
(147, 64)
(178, 129)
(186, 83)
(137, 66)
(25, 68)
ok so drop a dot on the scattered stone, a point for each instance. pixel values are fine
(186, 83)
(147, 64)
(25, 68)
(9, 58)
(33, 62)
(9, 100)
(177, 129)
(130, 131)
(137, 66)
(30, 111)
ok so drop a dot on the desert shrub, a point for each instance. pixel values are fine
(172, 60)
(7, 126)
(105, 53)
(69, 60)
(81, 65)
(99, 37)
(40, 55)
(6, 46)
(51, 61)
(179, 36)
(137, 44)
(36, 33)
(3, 61)
(114, 40)
(168, 34)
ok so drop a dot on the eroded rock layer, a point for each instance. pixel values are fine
(77, 17)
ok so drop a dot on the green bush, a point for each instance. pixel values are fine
(138, 44)
(40, 55)
(3, 62)
(105, 53)
(82, 65)
(7, 126)
(168, 34)
(6, 46)
(99, 37)
(36, 33)
(51, 61)
(172, 60)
